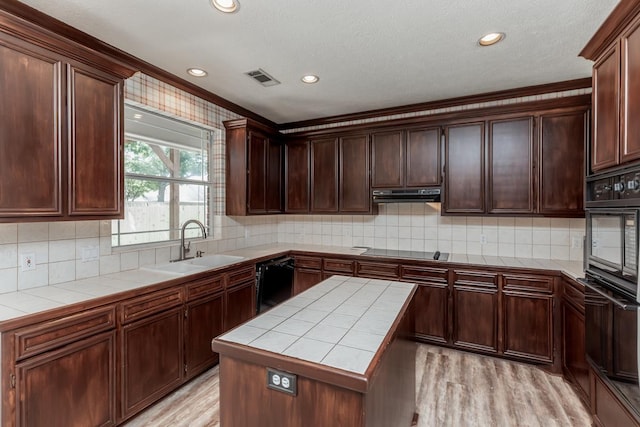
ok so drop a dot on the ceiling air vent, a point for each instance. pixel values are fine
(262, 77)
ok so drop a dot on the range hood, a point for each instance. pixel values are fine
(406, 195)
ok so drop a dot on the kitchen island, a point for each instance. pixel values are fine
(338, 354)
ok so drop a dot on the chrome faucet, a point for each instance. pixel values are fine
(185, 249)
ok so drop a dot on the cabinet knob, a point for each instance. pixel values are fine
(633, 185)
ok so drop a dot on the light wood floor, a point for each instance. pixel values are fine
(454, 389)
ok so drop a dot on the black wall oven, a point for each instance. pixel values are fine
(611, 281)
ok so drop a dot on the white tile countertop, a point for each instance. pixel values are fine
(30, 301)
(340, 322)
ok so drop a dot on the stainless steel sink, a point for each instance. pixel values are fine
(193, 265)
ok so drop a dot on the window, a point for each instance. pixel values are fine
(167, 178)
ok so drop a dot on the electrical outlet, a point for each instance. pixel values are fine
(576, 242)
(595, 243)
(28, 261)
(483, 239)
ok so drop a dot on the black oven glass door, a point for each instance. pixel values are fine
(611, 327)
(613, 245)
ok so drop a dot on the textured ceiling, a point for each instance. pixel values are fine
(368, 55)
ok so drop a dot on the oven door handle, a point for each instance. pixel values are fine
(624, 305)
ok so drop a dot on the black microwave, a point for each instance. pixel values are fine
(611, 248)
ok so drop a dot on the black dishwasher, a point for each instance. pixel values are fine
(274, 282)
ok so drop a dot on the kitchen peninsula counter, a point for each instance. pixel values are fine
(347, 343)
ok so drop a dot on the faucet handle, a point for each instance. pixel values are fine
(199, 254)
(187, 248)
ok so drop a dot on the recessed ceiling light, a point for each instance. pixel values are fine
(137, 116)
(226, 6)
(310, 78)
(491, 38)
(197, 72)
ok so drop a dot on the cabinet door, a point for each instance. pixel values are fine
(203, 323)
(73, 386)
(324, 175)
(475, 308)
(153, 359)
(94, 126)
(240, 305)
(423, 157)
(296, 177)
(30, 131)
(257, 173)
(630, 91)
(304, 278)
(510, 166)
(562, 142)
(387, 159)
(574, 360)
(464, 169)
(355, 193)
(605, 143)
(274, 177)
(432, 302)
(432, 312)
(528, 326)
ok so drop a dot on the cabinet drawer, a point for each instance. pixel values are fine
(146, 305)
(36, 339)
(475, 279)
(338, 265)
(204, 287)
(528, 283)
(414, 273)
(378, 269)
(241, 276)
(308, 262)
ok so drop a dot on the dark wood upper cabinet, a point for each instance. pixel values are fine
(616, 103)
(31, 162)
(95, 108)
(464, 166)
(45, 172)
(254, 169)
(324, 175)
(273, 202)
(510, 166)
(257, 173)
(605, 144)
(297, 177)
(562, 141)
(354, 190)
(423, 157)
(406, 158)
(630, 93)
(387, 159)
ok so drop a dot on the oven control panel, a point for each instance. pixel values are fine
(622, 188)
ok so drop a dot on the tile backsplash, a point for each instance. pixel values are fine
(59, 246)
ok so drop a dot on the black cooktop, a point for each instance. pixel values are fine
(394, 253)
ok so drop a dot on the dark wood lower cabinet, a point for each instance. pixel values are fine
(240, 305)
(152, 365)
(204, 322)
(304, 278)
(606, 408)
(432, 302)
(574, 360)
(528, 326)
(475, 311)
(72, 386)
